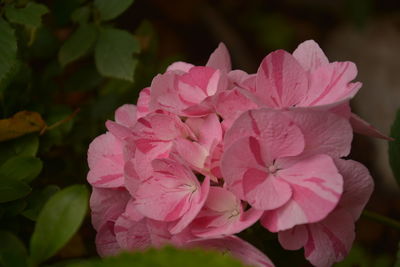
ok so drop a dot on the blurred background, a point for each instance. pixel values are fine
(366, 32)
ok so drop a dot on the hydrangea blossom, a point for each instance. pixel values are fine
(208, 151)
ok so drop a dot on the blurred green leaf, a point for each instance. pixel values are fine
(394, 148)
(81, 15)
(78, 44)
(11, 189)
(165, 257)
(23, 146)
(111, 9)
(114, 54)
(30, 15)
(397, 262)
(58, 221)
(13, 208)
(12, 250)
(22, 168)
(36, 201)
(8, 53)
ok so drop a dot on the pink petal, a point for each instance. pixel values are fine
(231, 104)
(237, 77)
(310, 55)
(132, 235)
(121, 132)
(235, 162)
(107, 205)
(168, 194)
(207, 129)
(195, 207)
(281, 80)
(106, 162)
(331, 240)
(278, 132)
(357, 188)
(106, 242)
(295, 238)
(180, 66)
(192, 152)
(324, 132)
(360, 126)
(220, 59)
(317, 187)
(331, 83)
(238, 248)
(143, 103)
(207, 79)
(264, 191)
(131, 177)
(164, 94)
(126, 115)
(223, 215)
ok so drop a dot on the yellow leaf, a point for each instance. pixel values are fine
(21, 123)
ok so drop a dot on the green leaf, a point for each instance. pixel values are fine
(114, 54)
(11, 189)
(12, 250)
(36, 201)
(81, 15)
(21, 168)
(78, 44)
(165, 257)
(27, 145)
(58, 221)
(8, 54)
(394, 148)
(13, 208)
(30, 15)
(111, 9)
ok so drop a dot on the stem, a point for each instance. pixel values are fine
(70, 117)
(381, 219)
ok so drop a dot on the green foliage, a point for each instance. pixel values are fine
(8, 53)
(22, 168)
(37, 200)
(81, 15)
(111, 9)
(58, 221)
(165, 257)
(80, 42)
(394, 147)
(113, 53)
(11, 189)
(29, 16)
(12, 250)
(27, 145)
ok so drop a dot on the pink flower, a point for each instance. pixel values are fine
(202, 153)
(107, 153)
(106, 206)
(106, 162)
(222, 215)
(209, 151)
(269, 170)
(330, 240)
(303, 79)
(189, 90)
(172, 193)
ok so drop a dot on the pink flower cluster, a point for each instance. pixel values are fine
(209, 151)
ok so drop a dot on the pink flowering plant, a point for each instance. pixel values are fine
(208, 151)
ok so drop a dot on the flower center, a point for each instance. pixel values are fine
(272, 169)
